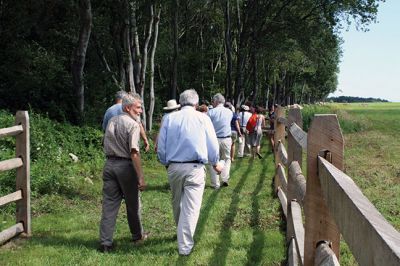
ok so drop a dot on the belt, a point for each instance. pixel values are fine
(194, 161)
(117, 158)
(224, 137)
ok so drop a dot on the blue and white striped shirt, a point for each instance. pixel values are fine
(187, 135)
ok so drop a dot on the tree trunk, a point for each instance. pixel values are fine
(255, 70)
(144, 64)
(174, 80)
(152, 53)
(79, 55)
(135, 47)
(228, 51)
(126, 42)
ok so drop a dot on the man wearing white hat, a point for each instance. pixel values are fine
(244, 116)
(172, 106)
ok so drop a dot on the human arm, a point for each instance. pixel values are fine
(238, 127)
(137, 165)
(144, 138)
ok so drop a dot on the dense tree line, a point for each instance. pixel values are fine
(67, 58)
(352, 99)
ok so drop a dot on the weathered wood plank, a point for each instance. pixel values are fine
(298, 229)
(10, 164)
(9, 233)
(10, 198)
(299, 135)
(283, 200)
(283, 121)
(22, 150)
(282, 153)
(325, 256)
(282, 177)
(10, 131)
(324, 134)
(293, 256)
(372, 240)
(278, 136)
(296, 183)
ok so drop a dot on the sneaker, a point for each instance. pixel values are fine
(105, 249)
(142, 239)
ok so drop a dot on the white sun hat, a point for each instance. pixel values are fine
(172, 105)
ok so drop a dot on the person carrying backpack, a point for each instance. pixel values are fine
(254, 126)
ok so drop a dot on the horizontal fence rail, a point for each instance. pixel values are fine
(345, 200)
(329, 200)
(11, 164)
(11, 131)
(11, 198)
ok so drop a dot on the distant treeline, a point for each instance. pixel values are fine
(351, 99)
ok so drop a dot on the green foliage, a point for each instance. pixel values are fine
(52, 170)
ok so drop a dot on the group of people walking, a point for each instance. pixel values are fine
(188, 140)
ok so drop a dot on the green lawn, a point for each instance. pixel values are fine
(238, 225)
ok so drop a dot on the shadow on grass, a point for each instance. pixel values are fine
(162, 187)
(221, 251)
(254, 253)
(122, 246)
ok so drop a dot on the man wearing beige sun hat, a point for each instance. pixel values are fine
(172, 106)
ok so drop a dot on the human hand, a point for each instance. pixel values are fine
(141, 184)
(146, 146)
(218, 167)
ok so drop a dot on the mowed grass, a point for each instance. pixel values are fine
(239, 225)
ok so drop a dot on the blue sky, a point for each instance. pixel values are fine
(370, 64)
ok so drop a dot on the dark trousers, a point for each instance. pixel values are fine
(119, 179)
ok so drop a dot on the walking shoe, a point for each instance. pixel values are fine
(105, 248)
(142, 239)
(225, 184)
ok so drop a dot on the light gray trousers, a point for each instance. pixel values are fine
(187, 182)
(225, 146)
(119, 179)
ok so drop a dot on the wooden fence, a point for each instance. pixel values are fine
(332, 203)
(22, 164)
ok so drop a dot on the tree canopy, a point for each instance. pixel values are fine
(68, 58)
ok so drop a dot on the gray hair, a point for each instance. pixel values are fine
(218, 98)
(129, 99)
(189, 97)
(120, 94)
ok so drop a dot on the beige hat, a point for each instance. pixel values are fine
(245, 107)
(172, 105)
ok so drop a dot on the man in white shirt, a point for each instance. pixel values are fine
(221, 118)
(186, 142)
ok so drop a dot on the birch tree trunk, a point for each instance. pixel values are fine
(79, 55)
(151, 87)
(144, 64)
(126, 42)
(174, 78)
(228, 51)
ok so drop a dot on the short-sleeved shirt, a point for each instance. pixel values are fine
(121, 136)
(233, 121)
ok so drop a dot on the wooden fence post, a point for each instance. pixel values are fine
(278, 136)
(22, 150)
(295, 153)
(324, 134)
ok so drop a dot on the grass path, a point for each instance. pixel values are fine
(238, 225)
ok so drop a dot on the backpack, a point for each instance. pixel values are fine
(252, 123)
